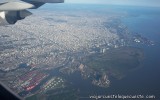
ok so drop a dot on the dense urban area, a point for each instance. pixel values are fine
(32, 49)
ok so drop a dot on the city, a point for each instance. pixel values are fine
(31, 50)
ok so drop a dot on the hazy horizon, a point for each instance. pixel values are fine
(152, 3)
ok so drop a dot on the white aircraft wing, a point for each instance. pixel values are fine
(15, 6)
(13, 10)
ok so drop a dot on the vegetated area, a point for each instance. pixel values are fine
(116, 62)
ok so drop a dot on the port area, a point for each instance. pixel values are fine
(29, 81)
(53, 83)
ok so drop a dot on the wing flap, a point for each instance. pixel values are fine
(15, 6)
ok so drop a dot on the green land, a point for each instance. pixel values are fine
(116, 62)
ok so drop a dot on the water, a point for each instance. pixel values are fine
(145, 80)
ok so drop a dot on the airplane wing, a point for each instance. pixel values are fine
(8, 94)
(13, 10)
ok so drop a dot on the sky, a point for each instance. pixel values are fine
(154, 3)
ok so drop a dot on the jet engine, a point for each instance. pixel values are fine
(11, 17)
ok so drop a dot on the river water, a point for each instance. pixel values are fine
(146, 79)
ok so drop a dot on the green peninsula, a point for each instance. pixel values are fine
(116, 62)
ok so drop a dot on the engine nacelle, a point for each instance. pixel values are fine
(11, 17)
